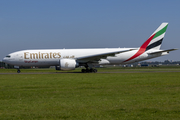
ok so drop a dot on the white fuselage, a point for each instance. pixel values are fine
(51, 57)
(69, 59)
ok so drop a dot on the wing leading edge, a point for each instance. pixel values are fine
(97, 57)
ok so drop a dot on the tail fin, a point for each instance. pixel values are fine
(155, 40)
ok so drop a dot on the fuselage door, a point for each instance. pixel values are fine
(20, 57)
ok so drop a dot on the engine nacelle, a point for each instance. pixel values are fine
(67, 64)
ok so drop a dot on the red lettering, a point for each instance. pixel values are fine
(31, 61)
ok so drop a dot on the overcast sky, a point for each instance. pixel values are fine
(56, 24)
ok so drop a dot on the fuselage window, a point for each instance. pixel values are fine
(8, 56)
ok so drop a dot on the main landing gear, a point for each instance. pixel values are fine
(89, 70)
(18, 71)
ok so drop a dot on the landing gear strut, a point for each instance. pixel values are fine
(89, 70)
(18, 71)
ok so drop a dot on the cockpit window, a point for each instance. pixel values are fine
(8, 56)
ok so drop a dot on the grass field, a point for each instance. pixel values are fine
(100, 96)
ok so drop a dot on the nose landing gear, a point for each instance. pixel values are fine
(18, 71)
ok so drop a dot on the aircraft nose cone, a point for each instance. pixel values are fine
(4, 60)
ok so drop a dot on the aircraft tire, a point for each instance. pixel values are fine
(87, 70)
(95, 70)
(83, 70)
(18, 71)
(91, 70)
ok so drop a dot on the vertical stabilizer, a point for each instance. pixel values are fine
(158, 36)
(153, 42)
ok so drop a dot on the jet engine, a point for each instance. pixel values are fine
(67, 64)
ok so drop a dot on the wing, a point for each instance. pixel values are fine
(162, 51)
(97, 57)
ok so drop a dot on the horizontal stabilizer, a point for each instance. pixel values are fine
(161, 51)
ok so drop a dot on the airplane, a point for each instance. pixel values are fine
(69, 59)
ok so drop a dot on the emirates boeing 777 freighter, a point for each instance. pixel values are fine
(69, 59)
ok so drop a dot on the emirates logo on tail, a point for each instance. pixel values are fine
(153, 42)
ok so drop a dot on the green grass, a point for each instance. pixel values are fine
(106, 69)
(100, 96)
